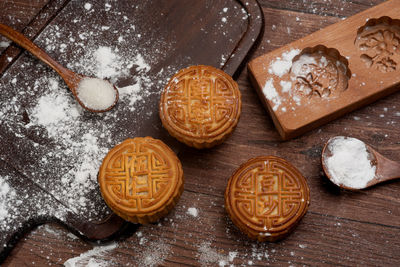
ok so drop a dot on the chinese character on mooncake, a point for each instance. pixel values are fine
(200, 106)
(266, 198)
(141, 179)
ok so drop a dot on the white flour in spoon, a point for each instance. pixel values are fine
(350, 163)
(96, 94)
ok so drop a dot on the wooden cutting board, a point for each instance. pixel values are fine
(329, 73)
(51, 149)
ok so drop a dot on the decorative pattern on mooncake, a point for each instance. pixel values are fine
(200, 106)
(141, 179)
(266, 198)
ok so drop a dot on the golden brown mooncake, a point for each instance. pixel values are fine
(266, 198)
(141, 179)
(200, 106)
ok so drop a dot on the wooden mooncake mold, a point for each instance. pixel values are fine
(266, 198)
(366, 45)
(141, 179)
(200, 106)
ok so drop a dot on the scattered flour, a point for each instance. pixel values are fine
(107, 7)
(53, 108)
(6, 192)
(107, 62)
(88, 6)
(350, 163)
(281, 65)
(271, 94)
(88, 258)
(286, 86)
(4, 44)
(193, 212)
(298, 68)
(131, 93)
(154, 253)
(282, 92)
(232, 255)
(209, 256)
(72, 143)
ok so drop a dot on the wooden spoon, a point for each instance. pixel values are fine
(386, 169)
(71, 78)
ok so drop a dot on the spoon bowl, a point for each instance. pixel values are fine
(385, 169)
(71, 78)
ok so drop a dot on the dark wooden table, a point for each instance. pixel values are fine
(340, 228)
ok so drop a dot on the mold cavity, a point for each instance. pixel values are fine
(379, 44)
(319, 72)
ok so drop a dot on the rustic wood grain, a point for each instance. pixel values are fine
(18, 14)
(28, 18)
(341, 228)
(174, 22)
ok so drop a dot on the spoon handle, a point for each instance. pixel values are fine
(24, 42)
(387, 169)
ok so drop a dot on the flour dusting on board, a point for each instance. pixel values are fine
(84, 143)
(72, 142)
(88, 258)
(6, 192)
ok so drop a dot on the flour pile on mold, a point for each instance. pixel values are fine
(350, 164)
(271, 94)
(279, 67)
(301, 67)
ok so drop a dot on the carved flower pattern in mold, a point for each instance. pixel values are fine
(319, 72)
(379, 41)
(318, 81)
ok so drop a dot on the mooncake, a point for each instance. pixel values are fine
(141, 179)
(200, 106)
(266, 198)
